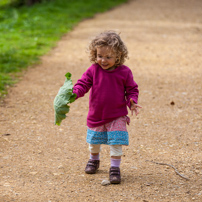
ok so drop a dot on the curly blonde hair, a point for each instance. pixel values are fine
(113, 41)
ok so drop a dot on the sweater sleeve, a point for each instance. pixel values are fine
(84, 84)
(131, 89)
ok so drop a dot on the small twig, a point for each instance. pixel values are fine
(175, 169)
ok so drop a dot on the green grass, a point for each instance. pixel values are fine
(26, 33)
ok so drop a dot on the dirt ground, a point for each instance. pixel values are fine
(41, 162)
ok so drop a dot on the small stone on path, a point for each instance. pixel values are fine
(105, 182)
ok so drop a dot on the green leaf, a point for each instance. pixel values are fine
(72, 98)
(68, 75)
(64, 97)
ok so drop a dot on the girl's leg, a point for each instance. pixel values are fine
(94, 161)
(116, 153)
(94, 151)
(114, 173)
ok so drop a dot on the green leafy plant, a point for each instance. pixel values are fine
(64, 97)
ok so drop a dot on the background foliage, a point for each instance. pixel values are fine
(27, 32)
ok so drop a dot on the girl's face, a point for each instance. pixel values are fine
(106, 58)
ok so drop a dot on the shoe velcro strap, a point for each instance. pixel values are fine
(92, 164)
(115, 172)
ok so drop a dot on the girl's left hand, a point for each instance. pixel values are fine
(134, 107)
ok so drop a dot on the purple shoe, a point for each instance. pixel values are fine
(115, 175)
(92, 166)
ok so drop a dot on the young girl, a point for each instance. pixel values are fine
(112, 90)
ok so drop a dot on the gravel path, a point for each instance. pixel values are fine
(41, 162)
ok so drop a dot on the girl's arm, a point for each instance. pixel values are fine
(84, 84)
(131, 89)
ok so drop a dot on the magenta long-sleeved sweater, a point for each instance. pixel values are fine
(110, 93)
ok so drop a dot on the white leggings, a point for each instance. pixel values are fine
(115, 150)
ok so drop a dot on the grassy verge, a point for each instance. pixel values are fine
(26, 33)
